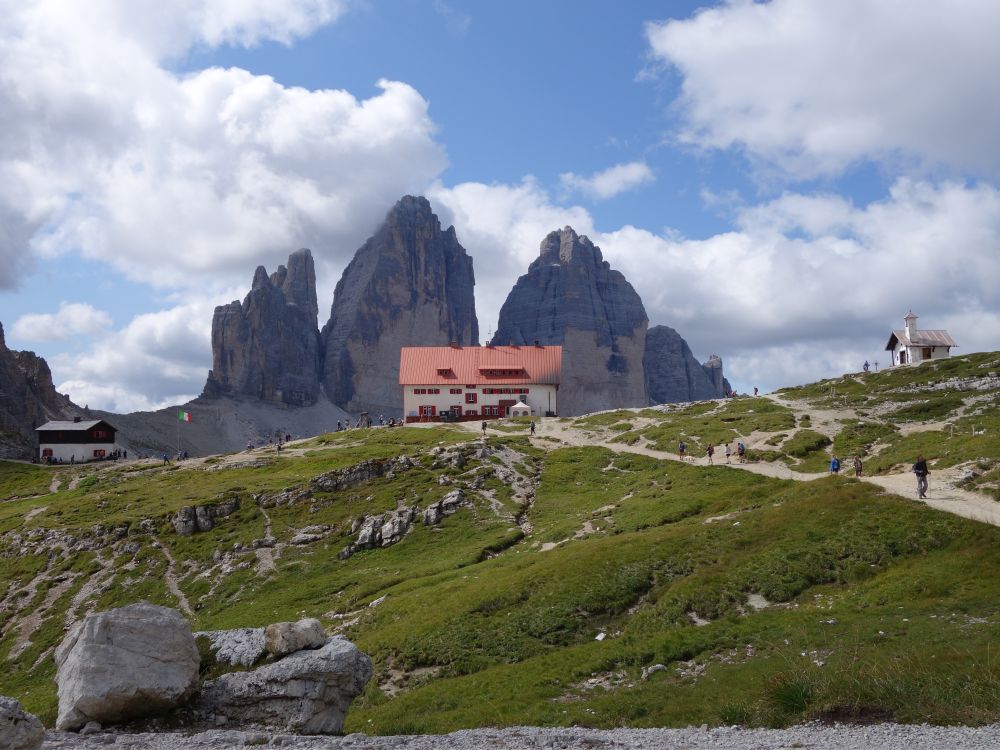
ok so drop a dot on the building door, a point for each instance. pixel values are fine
(926, 353)
(505, 404)
(902, 356)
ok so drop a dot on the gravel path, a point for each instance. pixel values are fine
(816, 736)
(943, 495)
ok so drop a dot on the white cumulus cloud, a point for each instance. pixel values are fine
(812, 86)
(176, 179)
(609, 182)
(72, 319)
(158, 359)
(804, 286)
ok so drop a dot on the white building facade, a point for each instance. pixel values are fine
(76, 442)
(912, 346)
(478, 382)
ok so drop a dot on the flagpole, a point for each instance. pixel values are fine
(177, 443)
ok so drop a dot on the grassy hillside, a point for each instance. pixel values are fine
(578, 585)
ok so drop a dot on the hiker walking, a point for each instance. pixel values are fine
(921, 470)
(834, 465)
(681, 450)
(741, 451)
(484, 428)
(755, 390)
(858, 467)
(865, 366)
(710, 450)
(729, 452)
(532, 429)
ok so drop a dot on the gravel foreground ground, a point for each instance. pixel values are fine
(817, 736)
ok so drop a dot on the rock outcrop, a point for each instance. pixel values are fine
(237, 647)
(672, 372)
(410, 284)
(307, 691)
(281, 638)
(19, 730)
(713, 368)
(268, 347)
(192, 518)
(28, 399)
(571, 296)
(135, 661)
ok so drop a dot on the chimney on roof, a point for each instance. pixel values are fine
(454, 345)
(76, 419)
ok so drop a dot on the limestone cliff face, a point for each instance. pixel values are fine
(268, 347)
(672, 372)
(410, 284)
(571, 296)
(28, 399)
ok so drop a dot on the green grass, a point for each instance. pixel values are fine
(24, 480)
(879, 607)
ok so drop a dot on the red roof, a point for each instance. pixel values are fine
(479, 365)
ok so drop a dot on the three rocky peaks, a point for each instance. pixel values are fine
(411, 284)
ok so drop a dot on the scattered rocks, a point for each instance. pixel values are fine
(307, 691)
(283, 638)
(130, 662)
(19, 730)
(192, 518)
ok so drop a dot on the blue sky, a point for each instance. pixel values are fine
(781, 181)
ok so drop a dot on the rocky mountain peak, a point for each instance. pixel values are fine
(27, 399)
(410, 284)
(571, 296)
(672, 372)
(298, 281)
(268, 346)
(565, 246)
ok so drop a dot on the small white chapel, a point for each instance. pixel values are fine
(912, 346)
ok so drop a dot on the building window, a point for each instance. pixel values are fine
(453, 391)
(427, 411)
(419, 391)
(471, 413)
(433, 390)
(470, 398)
(98, 453)
(456, 410)
(46, 452)
(100, 433)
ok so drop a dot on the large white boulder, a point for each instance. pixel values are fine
(19, 730)
(282, 638)
(307, 692)
(125, 663)
(239, 646)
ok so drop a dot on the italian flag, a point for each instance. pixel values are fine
(185, 416)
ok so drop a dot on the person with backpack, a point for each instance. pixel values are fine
(710, 450)
(834, 465)
(921, 470)
(532, 429)
(741, 451)
(729, 452)
(681, 450)
(858, 467)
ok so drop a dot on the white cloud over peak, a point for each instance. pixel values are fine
(73, 319)
(175, 179)
(609, 182)
(812, 86)
(803, 287)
